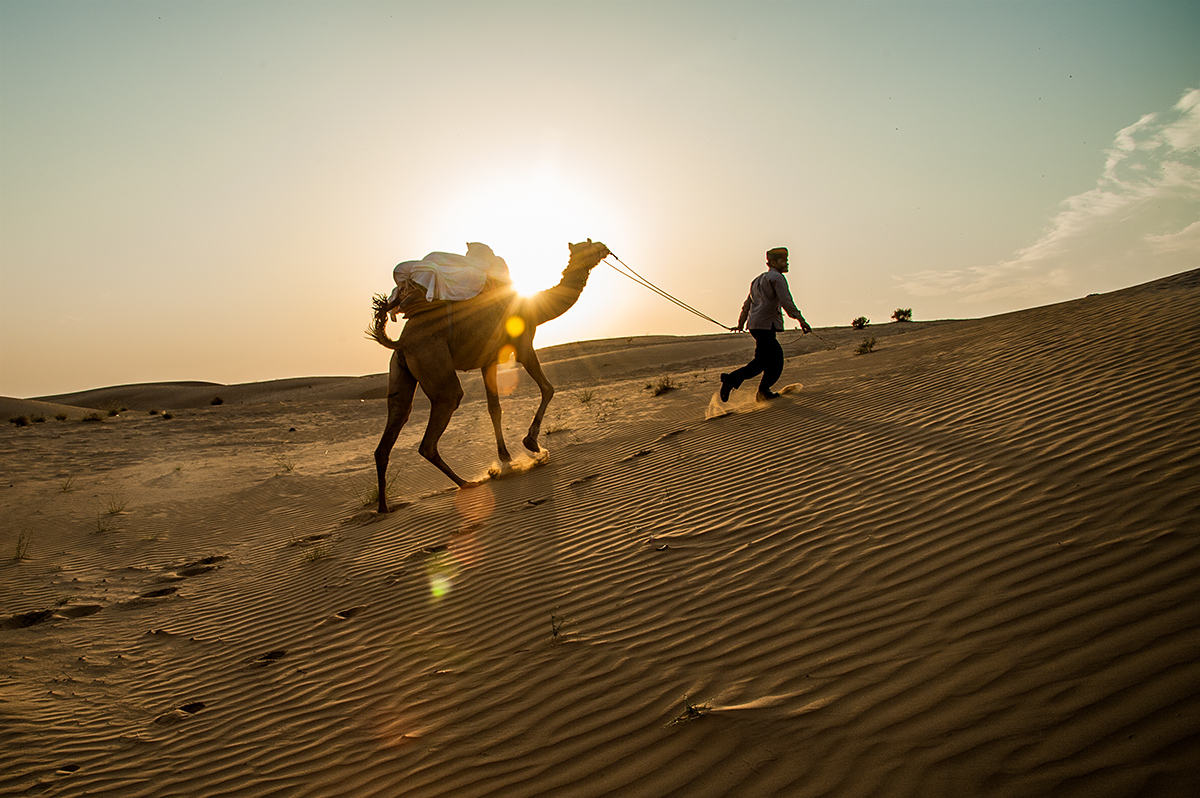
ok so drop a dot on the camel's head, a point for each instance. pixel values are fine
(588, 253)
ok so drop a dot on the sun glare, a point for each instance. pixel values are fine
(528, 221)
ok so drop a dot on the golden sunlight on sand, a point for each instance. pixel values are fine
(967, 563)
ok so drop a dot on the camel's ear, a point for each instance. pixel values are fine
(594, 249)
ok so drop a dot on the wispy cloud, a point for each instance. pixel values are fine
(1141, 220)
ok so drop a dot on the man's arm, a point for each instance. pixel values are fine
(745, 314)
(784, 294)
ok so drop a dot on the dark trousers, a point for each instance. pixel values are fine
(768, 361)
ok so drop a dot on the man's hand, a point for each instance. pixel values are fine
(804, 326)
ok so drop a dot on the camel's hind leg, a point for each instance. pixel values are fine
(534, 369)
(401, 387)
(493, 403)
(442, 407)
(434, 370)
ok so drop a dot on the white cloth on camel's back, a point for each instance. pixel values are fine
(445, 275)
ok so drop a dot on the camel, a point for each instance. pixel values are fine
(441, 338)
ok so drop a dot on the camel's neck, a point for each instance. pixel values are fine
(555, 301)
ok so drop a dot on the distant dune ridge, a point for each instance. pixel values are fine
(967, 563)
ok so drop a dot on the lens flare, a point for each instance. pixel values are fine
(441, 568)
(515, 326)
(475, 506)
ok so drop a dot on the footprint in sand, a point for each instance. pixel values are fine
(23, 620)
(346, 615)
(197, 567)
(270, 658)
(637, 454)
(181, 713)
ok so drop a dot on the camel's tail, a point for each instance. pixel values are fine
(378, 329)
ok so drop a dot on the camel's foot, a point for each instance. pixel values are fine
(465, 484)
(531, 443)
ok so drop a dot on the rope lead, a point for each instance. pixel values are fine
(642, 281)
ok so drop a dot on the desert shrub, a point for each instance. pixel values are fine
(557, 635)
(61, 416)
(216, 400)
(866, 347)
(902, 314)
(314, 553)
(368, 492)
(20, 421)
(166, 416)
(113, 413)
(39, 419)
(860, 322)
(663, 385)
(22, 550)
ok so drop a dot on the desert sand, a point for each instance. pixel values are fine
(966, 563)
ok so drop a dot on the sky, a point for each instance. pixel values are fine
(214, 190)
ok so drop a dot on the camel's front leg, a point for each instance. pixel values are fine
(534, 369)
(401, 387)
(493, 403)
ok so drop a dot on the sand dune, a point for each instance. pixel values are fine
(964, 564)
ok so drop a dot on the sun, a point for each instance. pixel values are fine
(528, 220)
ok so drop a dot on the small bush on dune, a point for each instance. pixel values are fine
(216, 400)
(691, 711)
(22, 551)
(866, 347)
(61, 417)
(315, 553)
(20, 421)
(860, 322)
(368, 493)
(902, 314)
(662, 386)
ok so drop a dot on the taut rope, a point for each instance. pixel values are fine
(642, 281)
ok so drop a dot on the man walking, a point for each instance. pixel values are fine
(762, 311)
